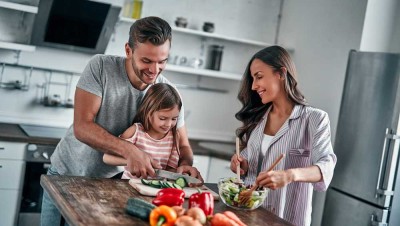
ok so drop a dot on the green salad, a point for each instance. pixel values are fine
(229, 190)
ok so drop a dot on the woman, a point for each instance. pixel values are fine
(277, 120)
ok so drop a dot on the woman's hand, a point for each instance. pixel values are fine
(244, 165)
(274, 179)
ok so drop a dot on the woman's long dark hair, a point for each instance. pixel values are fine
(253, 109)
(158, 97)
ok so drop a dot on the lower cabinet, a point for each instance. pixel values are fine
(12, 169)
(219, 168)
(9, 206)
(202, 163)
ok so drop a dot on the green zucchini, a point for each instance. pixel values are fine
(139, 208)
(155, 183)
(181, 181)
(145, 182)
(176, 186)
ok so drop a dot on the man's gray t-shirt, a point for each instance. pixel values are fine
(104, 76)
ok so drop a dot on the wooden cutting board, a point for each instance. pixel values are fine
(150, 191)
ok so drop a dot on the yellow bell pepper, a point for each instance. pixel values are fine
(162, 216)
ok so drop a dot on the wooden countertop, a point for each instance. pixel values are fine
(89, 201)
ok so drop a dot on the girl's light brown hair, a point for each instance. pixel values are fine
(160, 96)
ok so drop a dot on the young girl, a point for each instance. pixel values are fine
(154, 128)
(277, 120)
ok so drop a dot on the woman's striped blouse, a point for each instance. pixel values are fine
(305, 138)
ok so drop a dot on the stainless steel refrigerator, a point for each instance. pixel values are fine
(365, 188)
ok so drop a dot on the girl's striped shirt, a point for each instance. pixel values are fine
(159, 150)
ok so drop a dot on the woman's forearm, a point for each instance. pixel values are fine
(310, 174)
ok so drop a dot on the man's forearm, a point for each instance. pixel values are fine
(101, 140)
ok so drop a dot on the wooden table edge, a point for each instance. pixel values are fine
(62, 205)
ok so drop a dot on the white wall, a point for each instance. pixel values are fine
(322, 33)
(395, 43)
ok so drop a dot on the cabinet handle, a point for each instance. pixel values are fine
(1, 166)
(2, 148)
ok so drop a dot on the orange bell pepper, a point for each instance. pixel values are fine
(162, 216)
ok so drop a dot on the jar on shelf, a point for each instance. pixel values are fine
(208, 27)
(132, 9)
(137, 9)
(214, 57)
(181, 22)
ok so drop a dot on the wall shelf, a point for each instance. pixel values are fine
(203, 72)
(22, 8)
(19, 7)
(16, 46)
(206, 34)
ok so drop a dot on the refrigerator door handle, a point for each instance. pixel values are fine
(393, 164)
(374, 221)
(383, 157)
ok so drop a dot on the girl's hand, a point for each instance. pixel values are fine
(244, 165)
(274, 179)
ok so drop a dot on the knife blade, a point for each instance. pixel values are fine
(174, 176)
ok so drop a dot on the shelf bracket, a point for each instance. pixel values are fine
(17, 56)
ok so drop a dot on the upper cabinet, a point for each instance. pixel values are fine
(19, 7)
(15, 24)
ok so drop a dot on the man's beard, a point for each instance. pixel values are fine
(140, 75)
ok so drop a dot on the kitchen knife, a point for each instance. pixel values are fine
(174, 176)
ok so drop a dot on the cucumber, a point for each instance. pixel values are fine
(177, 186)
(181, 181)
(139, 208)
(145, 182)
(155, 183)
(169, 184)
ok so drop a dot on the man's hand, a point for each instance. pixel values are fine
(140, 164)
(191, 171)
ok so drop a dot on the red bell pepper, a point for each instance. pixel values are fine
(203, 200)
(169, 197)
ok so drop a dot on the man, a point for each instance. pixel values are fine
(106, 100)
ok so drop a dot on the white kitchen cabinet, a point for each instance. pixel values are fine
(14, 32)
(9, 206)
(219, 168)
(202, 163)
(12, 168)
(11, 172)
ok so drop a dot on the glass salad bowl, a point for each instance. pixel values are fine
(229, 190)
